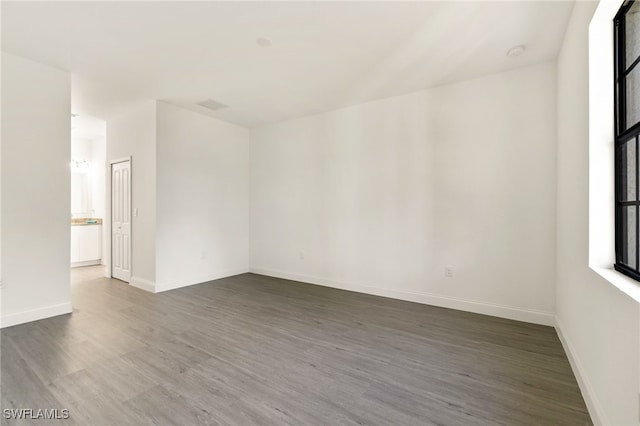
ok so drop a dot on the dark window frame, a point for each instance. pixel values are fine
(624, 137)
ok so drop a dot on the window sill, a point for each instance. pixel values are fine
(623, 283)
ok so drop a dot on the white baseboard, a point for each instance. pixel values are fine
(85, 263)
(502, 311)
(16, 318)
(143, 284)
(199, 279)
(586, 388)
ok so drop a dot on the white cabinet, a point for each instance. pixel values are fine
(86, 245)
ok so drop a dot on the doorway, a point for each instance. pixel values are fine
(88, 190)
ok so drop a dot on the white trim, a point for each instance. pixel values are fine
(479, 307)
(36, 314)
(143, 284)
(199, 280)
(119, 160)
(85, 263)
(586, 388)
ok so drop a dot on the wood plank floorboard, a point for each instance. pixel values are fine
(251, 349)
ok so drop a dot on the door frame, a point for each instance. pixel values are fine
(109, 267)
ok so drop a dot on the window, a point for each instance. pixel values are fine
(627, 135)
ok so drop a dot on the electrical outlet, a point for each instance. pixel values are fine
(301, 254)
(448, 271)
(203, 256)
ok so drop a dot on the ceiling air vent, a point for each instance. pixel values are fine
(212, 105)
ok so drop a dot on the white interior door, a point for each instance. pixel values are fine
(121, 220)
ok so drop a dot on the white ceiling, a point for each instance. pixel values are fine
(324, 55)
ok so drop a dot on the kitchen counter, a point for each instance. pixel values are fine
(85, 221)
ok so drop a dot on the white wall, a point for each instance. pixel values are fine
(382, 196)
(203, 198)
(99, 173)
(92, 150)
(36, 134)
(599, 325)
(134, 134)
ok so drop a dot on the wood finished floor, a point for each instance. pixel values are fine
(251, 349)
